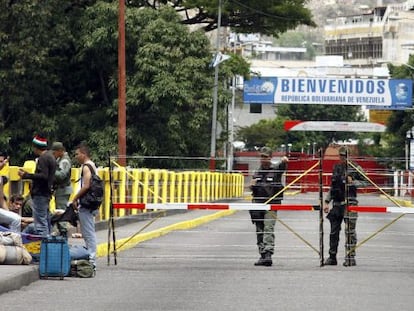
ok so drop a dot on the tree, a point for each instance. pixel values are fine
(169, 81)
(400, 121)
(59, 72)
(37, 44)
(267, 17)
(264, 133)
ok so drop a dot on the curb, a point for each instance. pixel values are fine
(16, 280)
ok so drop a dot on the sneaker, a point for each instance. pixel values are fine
(350, 262)
(330, 262)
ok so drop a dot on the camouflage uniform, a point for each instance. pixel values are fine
(338, 213)
(63, 187)
(268, 183)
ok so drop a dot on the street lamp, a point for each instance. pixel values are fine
(215, 97)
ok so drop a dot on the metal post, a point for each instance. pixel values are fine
(407, 139)
(231, 127)
(215, 97)
(321, 232)
(121, 85)
(410, 149)
(347, 215)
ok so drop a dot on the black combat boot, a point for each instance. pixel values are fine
(349, 262)
(331, 261)
(260, 262)
(267, 261)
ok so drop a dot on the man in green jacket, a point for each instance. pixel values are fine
(62, 185)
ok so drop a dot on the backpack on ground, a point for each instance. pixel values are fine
(81, 268)
(94, 197)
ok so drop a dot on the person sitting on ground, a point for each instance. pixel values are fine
(8, 218)
(21, 206)
(25, 209)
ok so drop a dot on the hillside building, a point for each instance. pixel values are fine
(375, 37)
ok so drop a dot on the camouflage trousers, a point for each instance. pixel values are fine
(336, 216)
(265, 232)
(350, 219)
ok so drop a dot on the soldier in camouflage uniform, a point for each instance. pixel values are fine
(62, 184)
(266, 182)
(341, 193)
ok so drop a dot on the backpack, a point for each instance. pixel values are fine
(81, 268)
(94, 197)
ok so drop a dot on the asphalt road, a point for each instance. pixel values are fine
(211, 268)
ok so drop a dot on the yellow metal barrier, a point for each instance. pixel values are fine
(149, 186)
(179, 188)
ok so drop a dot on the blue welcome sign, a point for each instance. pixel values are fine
(390, 93)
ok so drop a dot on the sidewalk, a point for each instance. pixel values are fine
(14, 277)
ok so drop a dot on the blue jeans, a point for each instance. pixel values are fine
(11, 219)
(41, 214)
(30, 229)
(87, 224)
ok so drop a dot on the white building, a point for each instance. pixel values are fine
(381, 35)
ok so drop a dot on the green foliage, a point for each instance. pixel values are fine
(400, 121)
(264, 133)
(170, 85)
(59, 76)
(34, 62)
(272, 132)
(244, 16)
(236, 65)
(59, 72)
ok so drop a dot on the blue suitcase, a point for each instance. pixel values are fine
(54, 257)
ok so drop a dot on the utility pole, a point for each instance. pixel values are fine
(215, 97)
(121, 85)
(230, 156)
